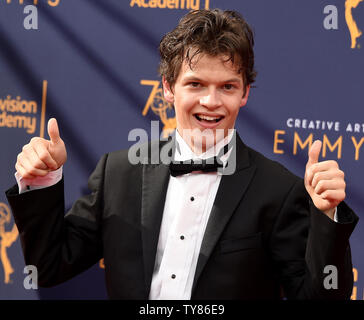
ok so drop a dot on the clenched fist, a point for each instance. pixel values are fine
(41, 156)
(324, 181)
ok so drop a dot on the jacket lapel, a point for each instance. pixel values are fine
(154, 190)
(231, 190)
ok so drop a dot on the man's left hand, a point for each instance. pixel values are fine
(324, 181)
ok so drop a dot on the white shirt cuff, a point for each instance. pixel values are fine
(50, 179)
(335, 215)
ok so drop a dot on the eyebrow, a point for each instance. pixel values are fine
(193, 78)
(233, 80)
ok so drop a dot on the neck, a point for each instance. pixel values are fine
(199, 142)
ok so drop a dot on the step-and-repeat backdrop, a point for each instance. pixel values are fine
(93, 65)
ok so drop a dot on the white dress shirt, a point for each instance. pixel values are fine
(187, 209)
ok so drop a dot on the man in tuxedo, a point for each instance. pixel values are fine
(182, 231)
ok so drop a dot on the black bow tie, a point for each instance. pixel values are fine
(178, 168)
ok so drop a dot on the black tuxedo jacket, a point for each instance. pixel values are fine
(263, 234)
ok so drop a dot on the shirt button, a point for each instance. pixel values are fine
(192, 198)
(182, 237)
(173, 276)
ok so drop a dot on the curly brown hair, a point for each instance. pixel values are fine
(213, 32)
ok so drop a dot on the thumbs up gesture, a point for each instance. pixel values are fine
(324, 181)
(41, 156)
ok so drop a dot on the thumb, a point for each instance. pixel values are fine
(314, 152)
(53, 131)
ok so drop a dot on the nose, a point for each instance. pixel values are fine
(211, 99)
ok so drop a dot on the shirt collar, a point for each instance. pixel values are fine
(183, 151)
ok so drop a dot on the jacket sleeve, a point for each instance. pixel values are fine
(60, 246)
(308, 248)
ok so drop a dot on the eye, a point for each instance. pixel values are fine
(228, 86)
(194, 84)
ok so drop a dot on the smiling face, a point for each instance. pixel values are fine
(207, 97)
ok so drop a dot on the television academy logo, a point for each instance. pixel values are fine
(171, 4)
(16, 112)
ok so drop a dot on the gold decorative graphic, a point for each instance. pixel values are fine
(7, 238)
(160, 106)
(354, 293)
(44, 99)
(355, 33)
(102, 263)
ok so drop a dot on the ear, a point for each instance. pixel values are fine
(244, 99)
(167, 91)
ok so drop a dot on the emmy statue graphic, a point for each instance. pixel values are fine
(355, 33)
(161, 107)
(6, 240)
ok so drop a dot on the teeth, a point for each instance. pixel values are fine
(203, 117)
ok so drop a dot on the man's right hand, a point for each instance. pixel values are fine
(41, 156)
